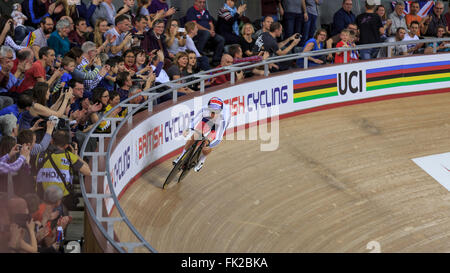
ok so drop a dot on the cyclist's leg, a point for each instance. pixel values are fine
(205, 151)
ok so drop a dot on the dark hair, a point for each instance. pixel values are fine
(111, 62)
(128, 51)
(275, 26)
(113, 94)
(72, 82)
(121, 78)
(139, 17)
(233, 49)
(33, 202)
(40, 92)
(23, 55)
(74, 53)
(6, 144)
(414, 22)
(44, 51)
(157, 22)
(45, 18)
(3, 21)
(24, 101)
(78, 20)
(61, 137)
(97, 94)
(25, 136)
(121, 18)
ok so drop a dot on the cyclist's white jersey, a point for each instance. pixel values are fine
(221, 123)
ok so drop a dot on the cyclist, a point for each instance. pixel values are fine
(214, 118)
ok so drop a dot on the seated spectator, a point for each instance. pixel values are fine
(228, 20)
(370, 29)
(15, 112)
(412, 36)
(227, 60)
(246, 41)
(206, 31)
(38, 38)
(98, 36)
(441, 46)
(434, 19)
(7, 79)
(157, 67)
(136, 89)
(120, 31)
(78, 36)
(381, 11)
(397, 17)
(105, 10)
(267, 21)
(268, 42)
(8, 31)
(192, 30)
(414, 8)
(109, 80)
(161, 6)
(41, 95)
(124, 82)
(67, 67)
(61, 151)
(314, 44)
(114, 99)
(143, 64)
(59, 40)
(178, 70)
(24, 157)
(343, 17)
(344, 42)
(192, 69)
(175, 40)
(130, 62)
(395, 50)
(22, 232)
(236, 52)
(90, 75)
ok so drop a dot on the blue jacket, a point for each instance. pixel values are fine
(341, 20)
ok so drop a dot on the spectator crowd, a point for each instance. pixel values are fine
(65, 64)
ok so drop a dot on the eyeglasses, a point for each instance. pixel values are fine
(105, 96)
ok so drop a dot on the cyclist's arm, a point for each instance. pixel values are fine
(197, 118)
(222, 128)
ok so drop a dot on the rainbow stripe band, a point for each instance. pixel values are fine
(315, 88)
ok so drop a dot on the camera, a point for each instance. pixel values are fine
(139, 36)
(61, 123)
(297, 36)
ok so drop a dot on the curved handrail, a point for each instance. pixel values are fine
(173, 87)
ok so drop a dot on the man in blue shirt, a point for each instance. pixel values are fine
(201, 17)
(343, 17)
(23, 104)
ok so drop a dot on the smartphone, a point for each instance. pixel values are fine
(181, 29)
(297, 36)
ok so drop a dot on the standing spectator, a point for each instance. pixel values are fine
(106, 10)
(397, 17)
(37, 71)
(35, 10)
(371, 28)
(314, 44)
(61, 152)
(175, 40)
(228, 21)
(381, 11)
(78, 36)
(38, 38)
(267, 21)
(59, 40)
(343, 17)
(412, 36)
(120, 31)
(309, 26)
(246, 41)
(206, 32)
(127, 8)
(268, 42)
(434, 20)
(272, 8)
(294, 16)
(447, 17)
(6, 6)
(161, 5)
(154, 39)
(414, 8)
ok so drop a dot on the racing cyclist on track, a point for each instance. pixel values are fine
(214, 117)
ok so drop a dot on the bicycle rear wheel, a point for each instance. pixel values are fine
(177, 168)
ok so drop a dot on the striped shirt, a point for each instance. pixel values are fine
(6, 167)
(92, 79)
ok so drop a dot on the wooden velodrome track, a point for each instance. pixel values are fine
(340, 179)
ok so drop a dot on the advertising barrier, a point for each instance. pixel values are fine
(161, 134)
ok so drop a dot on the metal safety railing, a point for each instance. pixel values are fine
(97, 214)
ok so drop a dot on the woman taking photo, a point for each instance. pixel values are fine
(175, 40)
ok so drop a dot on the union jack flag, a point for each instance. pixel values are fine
(425, 7)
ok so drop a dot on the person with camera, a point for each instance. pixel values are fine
(22, 227)
(57, 165)
(24, 157)
(140, 27)
(175, 38)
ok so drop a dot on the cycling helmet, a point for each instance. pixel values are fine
(215, 103)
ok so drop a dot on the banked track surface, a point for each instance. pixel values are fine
(340, 179)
